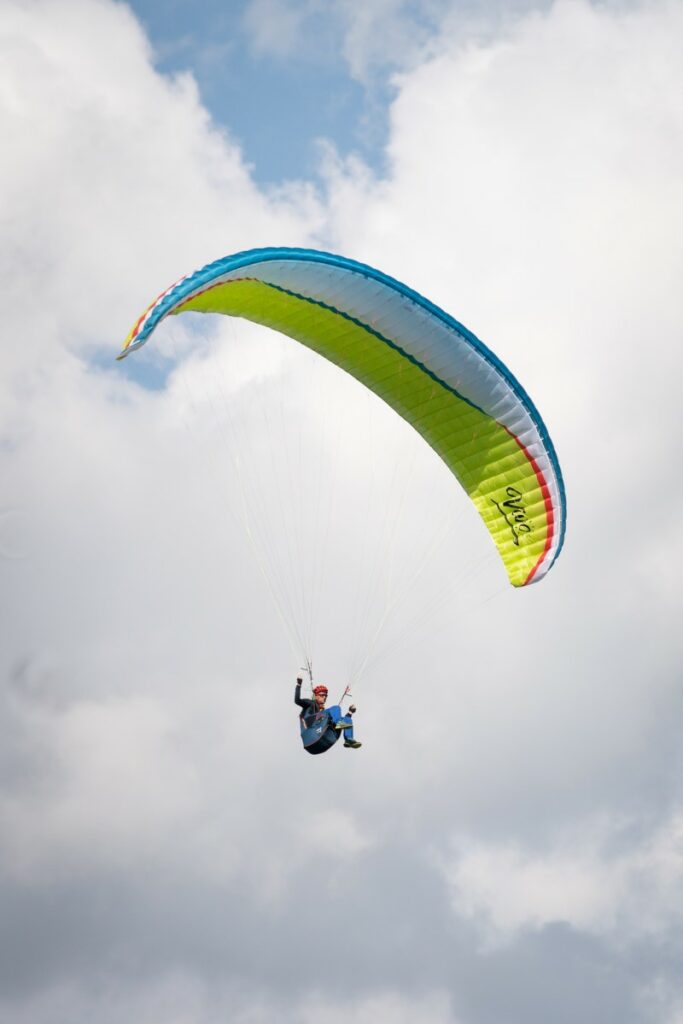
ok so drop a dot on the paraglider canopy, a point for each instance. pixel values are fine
(421, 361)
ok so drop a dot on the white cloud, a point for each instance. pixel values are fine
(275, 26)
(385, 34)
(100, 146)
(379, 38)
(591, 877)
(372, 38)
(116, 792)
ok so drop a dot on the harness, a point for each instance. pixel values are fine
(317, 733)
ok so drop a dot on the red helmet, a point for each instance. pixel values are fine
(320, 689)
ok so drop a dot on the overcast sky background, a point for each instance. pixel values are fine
(507, 847)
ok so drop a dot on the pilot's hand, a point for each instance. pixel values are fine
(352, 709)
(299, 681)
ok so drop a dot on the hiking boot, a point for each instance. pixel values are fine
(352, 743)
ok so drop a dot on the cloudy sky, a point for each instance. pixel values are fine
(507, 846)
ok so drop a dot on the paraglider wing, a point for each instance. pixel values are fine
(434, 372)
